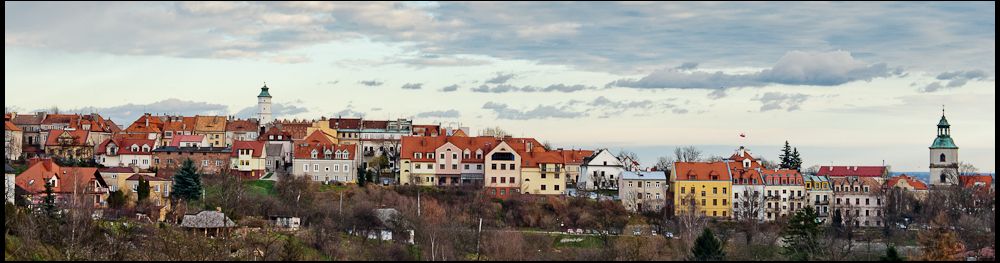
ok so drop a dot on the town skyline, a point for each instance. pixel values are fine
(854, 90)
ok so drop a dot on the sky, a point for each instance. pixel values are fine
(856, 83)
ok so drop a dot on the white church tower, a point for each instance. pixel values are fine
(944, 156)
(264, 106)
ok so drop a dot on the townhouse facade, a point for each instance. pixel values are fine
(320, 160)
(599, 171)
(785, 193)
(126, 153)
(249, 159)
(748, 186)
(280, 149)
(573, 159)
(115, 177)
(543, 175)
(910, 185)
(159, 189)
(10, 176)
(643, 191)
(69, 144)
(241, 130)
(702, 189)
(13, 141)
(214, 160)
(214, 128)
(859, 200)
(32, 127)
(174, 126)
(819, 194)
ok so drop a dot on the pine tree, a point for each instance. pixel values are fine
(187, 182)
(891, 255)
(143, 189)
(707, 247)
(838, 222)
(796, 160)
(802, 236)
(117, 200)
(786, 156)
(49, 202)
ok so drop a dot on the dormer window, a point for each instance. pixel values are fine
(270, 137)
(280, 137)
(314, 154)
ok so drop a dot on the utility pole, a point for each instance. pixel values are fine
(418, 203)
(479, 241)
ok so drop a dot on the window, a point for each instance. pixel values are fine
(715, 202)
(347, 168)
(658, 196)
(726, 202)
(557, 176)
(715, 190)
(543, 187)
(868, 201)
(726, 190)
(218, 163)
(503, 180)
(715, 213)
(543, 176)
(648, 184)
(135, 188)
(466, 167)
(494, 166)
(512, 180)
(493, 191)
(454, 156)
(557, 188)
(479, 167)
(494, 180)
(649, 196)
(156, 188)
(442, 156)
(305, 168)
(503, 167)
(630, 184)
(204, 163)
(503, 192)
(704, 202)
(736, 196)
(442, 166)
(657, 184)
(454, 167)
(683, 190)
(638, 195)
(417, 166)
(703, 194)
(316, 168)
(157, 161)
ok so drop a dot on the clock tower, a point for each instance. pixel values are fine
(944, 156)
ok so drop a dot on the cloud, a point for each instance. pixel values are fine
(511, 88)
(541, 112)
(441, 114)
(376, 109)
(617, 37)
(130, 112)
(680, 111)
(687, 66)
(450, 88)
(285, 59)
(278, 111)
(778, 101)
(955, 79)
(371, 83)
(500, 78)
(413, 86)
(795, 68)
(498, 89)
(718, 94)
(332, 82)
(566, 89)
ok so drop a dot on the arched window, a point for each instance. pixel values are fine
(944, 179)
(944, 158)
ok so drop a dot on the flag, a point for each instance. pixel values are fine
(743, 135)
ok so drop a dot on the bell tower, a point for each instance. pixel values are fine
(944, 156)
(264, 106)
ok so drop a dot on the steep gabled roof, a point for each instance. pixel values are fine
(909, 180)
(79, 137)
(207, 219)
(27, 120)
(256, 146)
(242, 126)
(8, 126)
(275, 131)
(179, 140)
(124, 146)
(210, 124)
(35, 177)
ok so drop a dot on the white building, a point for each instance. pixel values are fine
(264, 106)
(599, 171)
(318, 159)
(126, 153)
(944, 156)
(9, 177)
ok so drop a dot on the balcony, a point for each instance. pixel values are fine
(826, 202)
(369, 153)
(774, 198)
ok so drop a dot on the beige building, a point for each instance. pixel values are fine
(643, 191)
(13, 141)
(214, 128)
(115, 177)
(159, 189)
(503, 173)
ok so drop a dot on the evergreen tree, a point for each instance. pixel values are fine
(143, 189)
(362, 177)
(49, 202)
(838, 222)
(187, 182)
(707, 247)
(117, 200)
(796, 160)
(891, 255)
(802, 236)
(786, 156)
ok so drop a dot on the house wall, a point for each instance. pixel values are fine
(174, 160)
(13, 144)
(328, 170)
(9, 187)
(159, 192)
(785, 200)
(532, 180)
(604, 163)
(653, 197)
(448, 165)
(498, 177)
(717, 199)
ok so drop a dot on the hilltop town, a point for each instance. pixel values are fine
(363, 189)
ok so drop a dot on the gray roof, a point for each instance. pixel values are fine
(387, 215)
(644, 175)
(8, 170)
(207, 219)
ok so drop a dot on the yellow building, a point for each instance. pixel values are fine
(214, 129)
(249, 159)
(324, 126)
(115, 177)
(543, 175)
(702, 189)
(159, 189)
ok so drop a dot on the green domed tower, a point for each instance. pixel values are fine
(944, 156)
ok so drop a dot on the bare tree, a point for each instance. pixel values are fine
(496, 132)
(629, 159)
(689, 218)
(967, 169)
(665, 164)
(748, 209)
(687, 154)
(812, 169)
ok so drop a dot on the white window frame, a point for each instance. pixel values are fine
(156, 188)
(347, 168)
(316, 168)
(204, 163)
(305, 168)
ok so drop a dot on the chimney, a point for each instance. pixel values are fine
(33, 161)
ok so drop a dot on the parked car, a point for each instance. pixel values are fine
(654, 233)
(570, 232)
(637, 233)
(579, 231)
(668, 235)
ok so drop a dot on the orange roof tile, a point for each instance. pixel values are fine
(210, 124)
(124, 145)
(8, 126)
(242, 126)
(275, 131)
(42, 171)
(79, 137)
(909, 180)
(715, 171)
(255, 146)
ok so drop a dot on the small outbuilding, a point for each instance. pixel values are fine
(209, 223)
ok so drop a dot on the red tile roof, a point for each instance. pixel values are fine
(972, 180)
(779, 177)
(179, 124)
(275, 131)
(178, 140)
(347, 124)
(123, 170)
(575, 156)
(533, 159)
(910, 180)
(8, 126)
(124, 146)
(79, 137)
(255, 146)
(862, 171)
(27, 120)
(715, 171)
(375, 125)
(42, 171)
(242, 126)
(59, 119)
(426, 130)
(135, 177)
